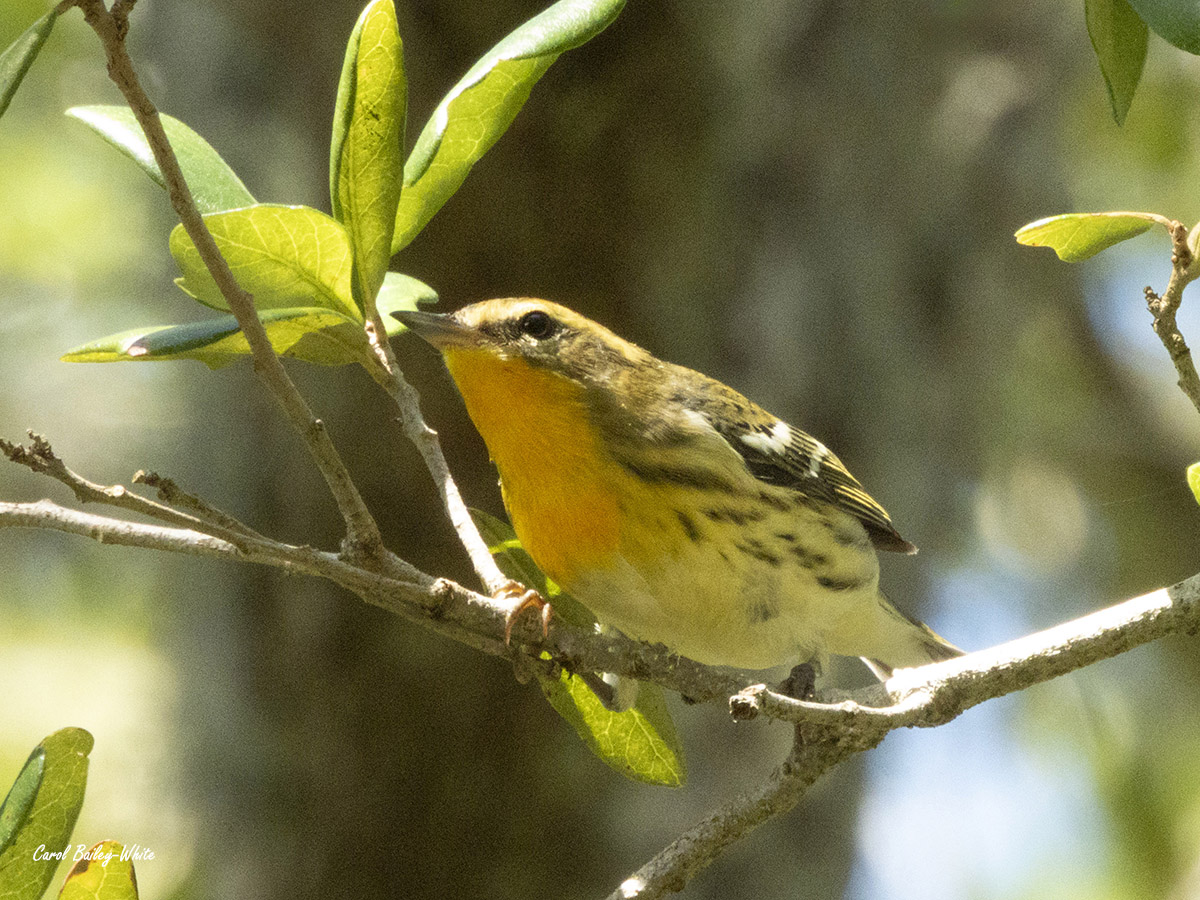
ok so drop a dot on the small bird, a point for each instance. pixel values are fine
(675, 509)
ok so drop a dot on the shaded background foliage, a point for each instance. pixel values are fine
(813, 202)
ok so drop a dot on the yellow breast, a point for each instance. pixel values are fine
(555, 477)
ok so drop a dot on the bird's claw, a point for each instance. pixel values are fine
(523, 598)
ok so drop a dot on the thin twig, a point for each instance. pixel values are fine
(814, 752)
(388, 375)
(169, 492)
(1184, 270)
(362, 538)
(40, 457)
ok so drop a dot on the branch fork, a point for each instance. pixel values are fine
(1184, 270)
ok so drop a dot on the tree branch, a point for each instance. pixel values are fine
(814, 751)
(934, 694)
(105, 530)
(388, 376)
(169, 492)
(826, 734)
(40, 457)
(362, 532)
(927, 696)
(1184, 270)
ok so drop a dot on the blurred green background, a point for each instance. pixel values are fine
(811, 201)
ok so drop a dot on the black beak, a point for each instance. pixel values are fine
(441, 330)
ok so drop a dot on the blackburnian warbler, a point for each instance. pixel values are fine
(674, 508)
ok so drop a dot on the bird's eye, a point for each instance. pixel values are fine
(536, 324)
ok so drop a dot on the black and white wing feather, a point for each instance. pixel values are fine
(778, 454)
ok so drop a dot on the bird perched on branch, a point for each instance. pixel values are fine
(671, 506)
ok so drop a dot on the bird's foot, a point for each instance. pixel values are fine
(522, 598)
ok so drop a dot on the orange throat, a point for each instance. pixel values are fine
(555, 477)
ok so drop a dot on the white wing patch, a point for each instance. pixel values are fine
(773, 443)
(778, 443)
(820, 451)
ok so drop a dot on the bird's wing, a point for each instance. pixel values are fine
(778, 454)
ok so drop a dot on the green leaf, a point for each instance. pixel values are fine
(18, 803)
(214, 185)
(366, 159)
(483, 104)
(640, 743)
(1177, 21)
(286, 256)
(401, 292)
(1077, 236)
(101, 875)
(46, 824)
(1119, 38)
(1193, 480)
(316, 335)
(19, 56)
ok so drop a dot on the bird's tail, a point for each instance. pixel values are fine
(911, 644)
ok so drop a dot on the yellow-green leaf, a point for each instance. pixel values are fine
(1193, 480)
(366, 159)
(285, 256)
(19, 56)
(483, 104)
(316, 335)
(1119, 38)
(401, 292)
(102, 874)
(640, 743)
(313, 334)
(1078, 236)
(214, 185)
(43, 829)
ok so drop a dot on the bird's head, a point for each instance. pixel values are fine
(538, 333)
